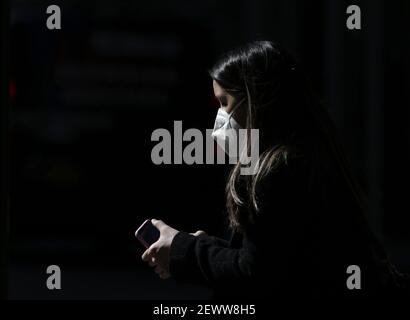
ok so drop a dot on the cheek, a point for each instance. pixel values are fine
(229, 106)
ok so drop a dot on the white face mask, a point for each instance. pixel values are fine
(225, 129)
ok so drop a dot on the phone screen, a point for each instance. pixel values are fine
(147, 234)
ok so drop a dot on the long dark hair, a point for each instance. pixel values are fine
(271, 85)
(291, 122)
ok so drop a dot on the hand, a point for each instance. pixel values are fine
(157, 255)
(200, 234)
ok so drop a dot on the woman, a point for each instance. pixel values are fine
(298, 222)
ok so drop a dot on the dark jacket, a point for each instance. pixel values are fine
(302, 242)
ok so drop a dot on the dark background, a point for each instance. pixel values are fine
(85, 100)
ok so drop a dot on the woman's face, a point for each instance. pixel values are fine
(228, 102)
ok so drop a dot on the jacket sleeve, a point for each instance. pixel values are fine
(206, 261)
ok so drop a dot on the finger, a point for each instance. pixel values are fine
(147, 254)
(159, 224)
(152, 262)
(158, 270)
(165, 275)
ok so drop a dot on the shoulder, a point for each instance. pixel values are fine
(282, 195)
(291, 171)
(283, 188)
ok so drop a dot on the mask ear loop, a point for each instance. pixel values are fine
(229, 121)
(234, 109)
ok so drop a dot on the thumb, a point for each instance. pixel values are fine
(158, 223)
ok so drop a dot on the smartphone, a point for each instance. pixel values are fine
(147, 234)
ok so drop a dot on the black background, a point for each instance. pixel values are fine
(85, 100)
